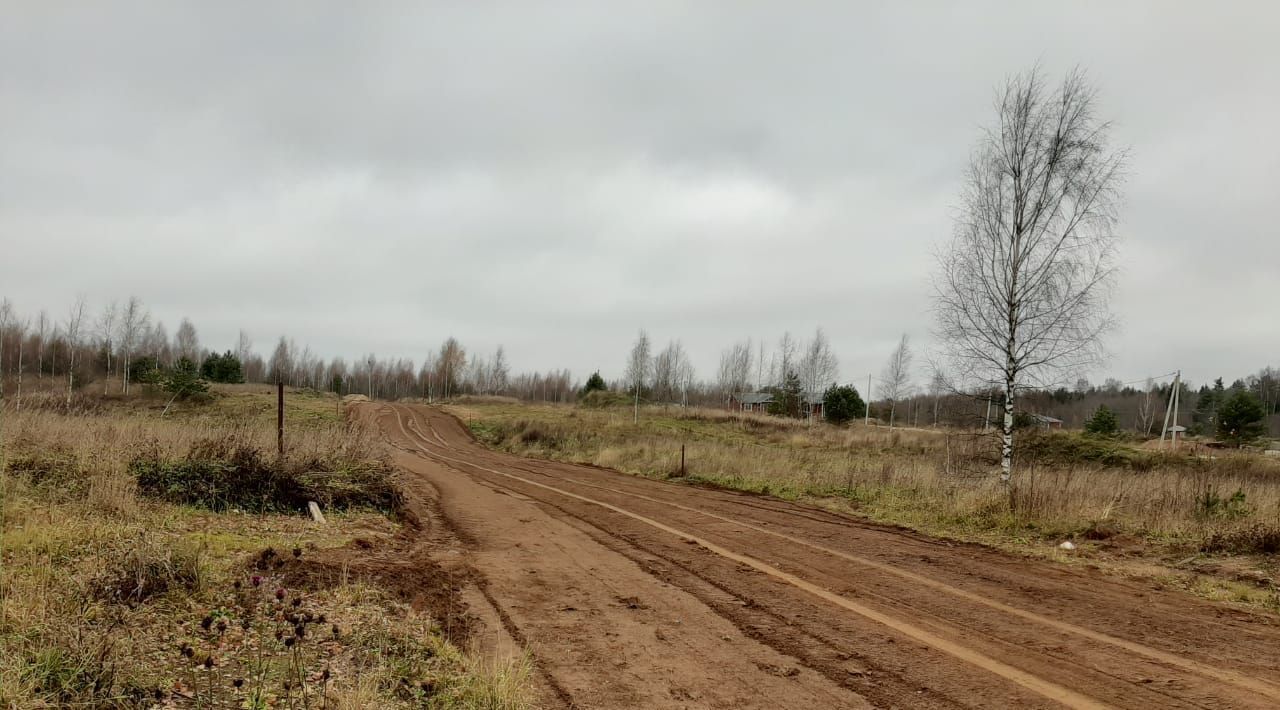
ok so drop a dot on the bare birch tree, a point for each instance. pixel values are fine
(735, 369)
(818, 367)
(280, 366)
(895, 380)
(1146, 412)
(6, 317)
(42, 338)
(671, 372)
(639, 365)
(785, 359)
(156, 343)
(500, 371)
(107, 332)
(20, 330)
(186, 343)
(133, 326)
(1021, 288)
(244, 348)
(75, 328)
(451, 362)
(937, 387)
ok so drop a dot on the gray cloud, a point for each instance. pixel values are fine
(554, 176)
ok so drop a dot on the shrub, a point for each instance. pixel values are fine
(144, 570)
(220, 474)
(53, 468)
(1066, 448)
(600, 399)
(73, 671)
(1211, 505)
(1259, 538)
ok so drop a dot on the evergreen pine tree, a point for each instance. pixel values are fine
(1240, 419)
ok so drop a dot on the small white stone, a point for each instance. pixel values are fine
(1067, 545)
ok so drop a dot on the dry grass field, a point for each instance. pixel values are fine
(1208, 524)
(126, 584)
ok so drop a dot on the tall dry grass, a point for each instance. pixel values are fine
(938, 480)
(97, 582)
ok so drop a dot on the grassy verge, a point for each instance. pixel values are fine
(1211, 525)
(128, 565)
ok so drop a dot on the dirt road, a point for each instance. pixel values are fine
(634, 593)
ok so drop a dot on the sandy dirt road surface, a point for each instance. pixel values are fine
(635, 593)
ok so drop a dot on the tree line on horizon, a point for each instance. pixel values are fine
(122, 347)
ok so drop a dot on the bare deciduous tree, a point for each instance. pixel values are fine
(785, 359)
(106, 332)
(42, 337)
(639, 365)
(6, 316)
(1146, 411)
(75, 327)
(20, 330)
(133, 326)
(450, 364)
(186, 343)
(735, 369)
(818, 367)
(895, 380)
(244, 347)
(280, 366)
(499, 371)
(672, 373)
(937, 388)
(1021, 288)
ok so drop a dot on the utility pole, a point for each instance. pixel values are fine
(1172, 409)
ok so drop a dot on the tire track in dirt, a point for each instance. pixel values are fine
(790, 550)
(1255, 626)
(1034, 683)
(679, 680)
(1261, 687)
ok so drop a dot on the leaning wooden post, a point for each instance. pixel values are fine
(682, 460)
(280, 418)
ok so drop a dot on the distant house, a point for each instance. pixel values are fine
(750, 402)
(1046, 422)
(813, 402)
(758, 402)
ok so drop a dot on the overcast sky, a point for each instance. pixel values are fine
(554, 176)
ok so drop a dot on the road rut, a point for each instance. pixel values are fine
(631, 592)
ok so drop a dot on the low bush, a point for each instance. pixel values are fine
(1069, 448)
(600, 399)
(1259, 538)
(222, 473)
(1210, 505)
(137, 573)
(53, 469)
